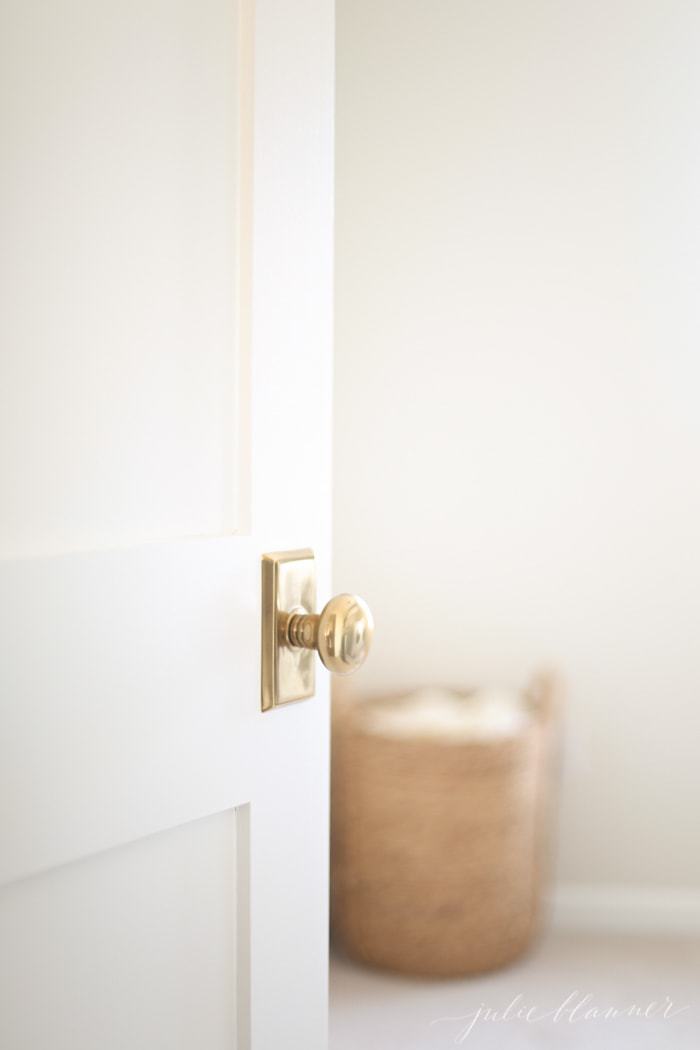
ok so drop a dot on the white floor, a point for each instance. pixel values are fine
(376, 1011)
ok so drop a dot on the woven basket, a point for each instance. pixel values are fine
(439, 848)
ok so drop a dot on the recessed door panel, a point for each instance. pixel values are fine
(118, 400)
(134, 947)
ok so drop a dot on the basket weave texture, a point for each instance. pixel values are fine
(440, 847)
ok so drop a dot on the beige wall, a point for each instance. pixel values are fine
(518, 340)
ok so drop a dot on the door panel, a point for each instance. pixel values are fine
(165, 397)
(121, 146)
(135, 947)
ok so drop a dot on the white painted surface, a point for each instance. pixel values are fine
(654, 910)
(118, 150)
(133, 947)
(516, 431)
(177, 315)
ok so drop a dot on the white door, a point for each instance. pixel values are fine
(166, 246)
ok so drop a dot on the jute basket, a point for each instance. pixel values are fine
(440, 848)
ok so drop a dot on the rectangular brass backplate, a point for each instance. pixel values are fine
(288, 585)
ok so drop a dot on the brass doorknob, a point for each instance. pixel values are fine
(291, 629)
(342, 632)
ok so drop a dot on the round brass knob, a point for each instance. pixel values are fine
(342, 633)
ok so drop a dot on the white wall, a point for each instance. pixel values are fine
(518, 338)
